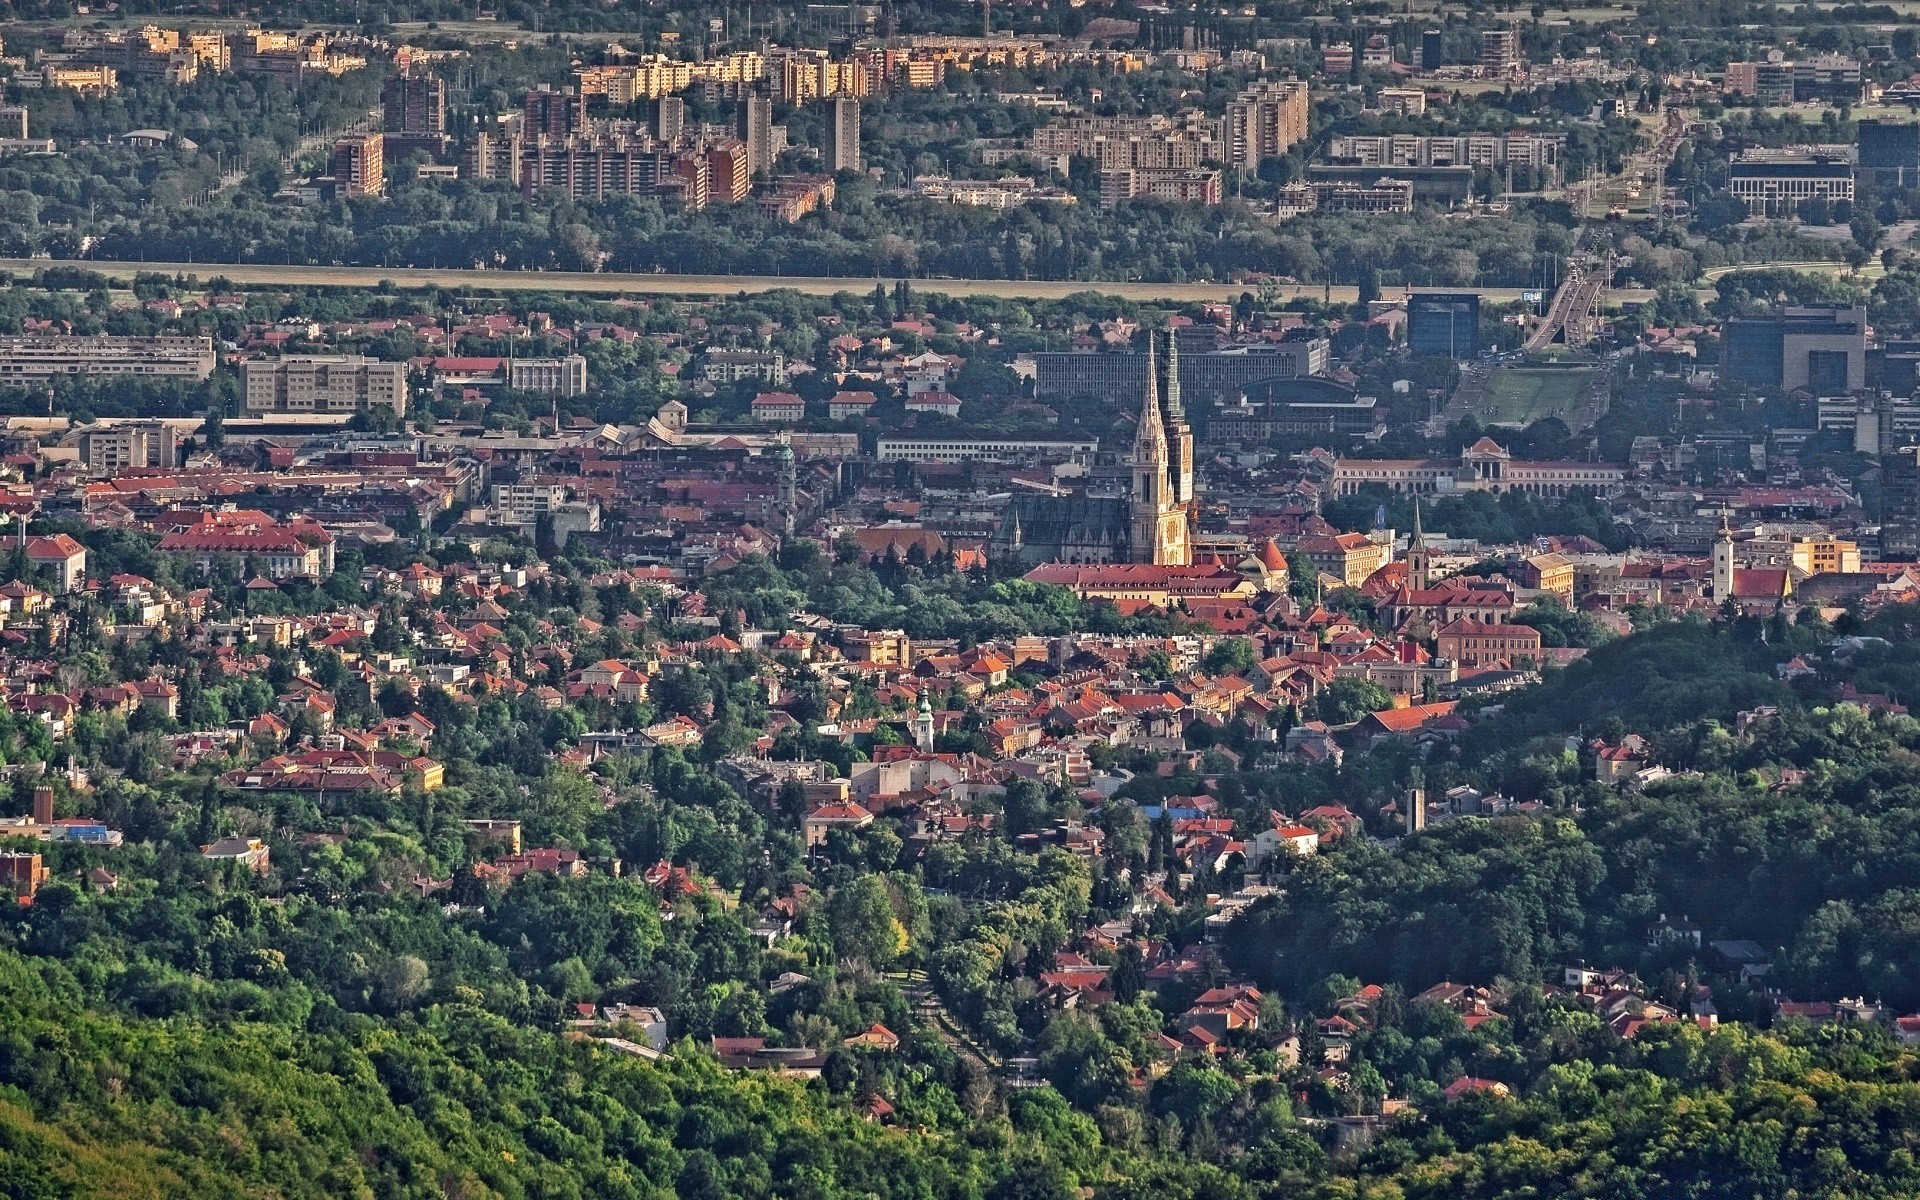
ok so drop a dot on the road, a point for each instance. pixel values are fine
(606, 283)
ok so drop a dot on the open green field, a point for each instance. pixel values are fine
(1521, 395)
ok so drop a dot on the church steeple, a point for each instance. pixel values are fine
(1159, 523)
(1179, 433)
(1419, 565)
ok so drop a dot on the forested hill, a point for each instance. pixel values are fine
(459, 1103)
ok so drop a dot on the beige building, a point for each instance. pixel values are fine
(549, 376)
(129, 444)
(1264, 122)
(34, 357)
(330, 383)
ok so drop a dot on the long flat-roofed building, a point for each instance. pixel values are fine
(36, 357)
(1484, 466)
(987, 449)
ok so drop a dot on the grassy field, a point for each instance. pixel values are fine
(1521, 395)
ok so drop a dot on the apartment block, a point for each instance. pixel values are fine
(37, 357)
(1181, 185)
(125, 445)
(1264, 122)
(359, 164)
(333, 384)
(548, 376)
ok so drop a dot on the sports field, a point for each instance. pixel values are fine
(1521, 395)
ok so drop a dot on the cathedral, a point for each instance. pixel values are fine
(1152, 524)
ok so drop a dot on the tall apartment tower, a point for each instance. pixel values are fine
(555, 112)
(414, 108)
(669, 118)
(358, 166)
(1499, 52)
(1265, 121)
(1431, 54)
(756, 130)
(843, 135)
(414, 102)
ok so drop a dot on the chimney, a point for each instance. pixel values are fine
(43, 805)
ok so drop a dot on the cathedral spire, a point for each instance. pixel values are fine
(1175, 413)
(1150, 439)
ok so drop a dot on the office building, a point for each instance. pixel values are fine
(1769, 82)
(338, 384)
(1775, 183)
(359, 164)
(414, 113)
(13, 122)
(843, 135)
(1204, 379)
(1431, 185)
(1819, 348)
(1499, 52)
(1444, 324)
(1431, 54)
(1264, 121)
(1889, 153)
(1900, 503)
(39, 357)
(124, 445)
(756, 130)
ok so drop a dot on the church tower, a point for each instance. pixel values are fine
(923, 725)
(1419, 565)
(1723, 562)
(1159, 525)
(1179, 433)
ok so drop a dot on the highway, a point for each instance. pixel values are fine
(615, 283)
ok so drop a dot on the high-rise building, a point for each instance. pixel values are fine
(728, 179)
(843, 135)
(756, 130)
(669, 118)
(1431, 54)
(1900, 503)
(414, 108)
(1445, 324)
(1264, 122)
(554, 111)
(414, 102)
(1499, 52)
(358, 166)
